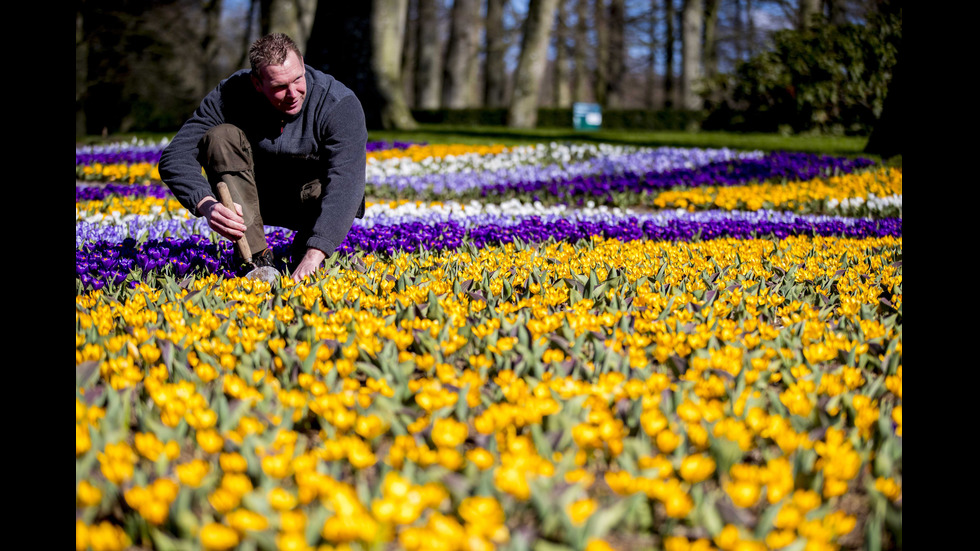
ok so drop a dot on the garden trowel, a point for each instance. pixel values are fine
(263, 273)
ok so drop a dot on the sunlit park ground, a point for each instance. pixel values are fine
(484, 135)
(632, 341)
(815, 143)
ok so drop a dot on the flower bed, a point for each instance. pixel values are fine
(502, 373)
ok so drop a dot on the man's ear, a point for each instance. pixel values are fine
(255, 81)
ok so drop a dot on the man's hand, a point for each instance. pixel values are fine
(224, 221)
(311, 261)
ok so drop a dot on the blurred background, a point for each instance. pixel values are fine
(788, 66)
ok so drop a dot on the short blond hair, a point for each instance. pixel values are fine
(271, 49)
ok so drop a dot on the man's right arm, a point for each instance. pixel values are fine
(180, 167)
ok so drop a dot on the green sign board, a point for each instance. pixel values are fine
(587, 116)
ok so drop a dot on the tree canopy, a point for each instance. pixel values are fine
(763, 65)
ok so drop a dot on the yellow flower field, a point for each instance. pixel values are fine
(715, 392)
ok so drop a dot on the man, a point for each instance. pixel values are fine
(290, 143)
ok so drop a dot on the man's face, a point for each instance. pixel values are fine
(284, 85)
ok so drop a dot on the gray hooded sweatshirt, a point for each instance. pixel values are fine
(329, 131)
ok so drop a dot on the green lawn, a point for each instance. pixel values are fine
(837, 145)
(445, 134)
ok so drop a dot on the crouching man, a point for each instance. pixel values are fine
(289, 141)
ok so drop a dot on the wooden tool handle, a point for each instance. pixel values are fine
(242, 244)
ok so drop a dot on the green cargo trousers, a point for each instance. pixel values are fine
(283, 192)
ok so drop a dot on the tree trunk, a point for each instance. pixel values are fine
(460, 54)
(387, 39)
(601, 51)
(750, 30)
(292, 17)
(81, 72)
(692, 17)
(495, 71)
(836, 12)
(808, 9)
(711, 48)
(580, 89)
(670, 17)
(359, 43)
(210, 41)
(738, 29)
(428, 70)
(562, 84)
(253, 6)
(651, 100)
(474, 91)
(410, 52)
(523, 112)
(616, 81)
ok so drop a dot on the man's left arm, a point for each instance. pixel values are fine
(343, 152)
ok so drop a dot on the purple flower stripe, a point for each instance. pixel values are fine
(104, 262)
(128, 154)
(643, 161)
(772, 167)
(452, 234)
(383, 145)
(138, 228)
(99, 192)
(536, 182)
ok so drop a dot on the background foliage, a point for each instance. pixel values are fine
(763, 65)
(829, 78)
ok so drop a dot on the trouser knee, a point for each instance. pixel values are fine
(226, 155)
(224, 149)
